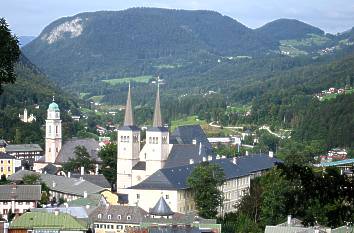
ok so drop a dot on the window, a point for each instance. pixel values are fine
(119, 227)
(2, 161)
(119, 217)
(56, 149)
(56, 130)
(129, 217)
(2, 169)
(50, 129)
(109, 216)
(20, 202)
(99, 216)
(5, 211)
(127, 138)
(5, 202)
(164, 140)
(150, 140)
(138, 196)
(8, 161)
(167, 196)
(49, 149)
(121, 138)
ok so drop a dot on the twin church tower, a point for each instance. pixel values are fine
(135, 164)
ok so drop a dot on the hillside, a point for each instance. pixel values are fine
(138, 41)
(32, 88)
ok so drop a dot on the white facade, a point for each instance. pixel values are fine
(16, 206)
(127, 156)
(53, 138)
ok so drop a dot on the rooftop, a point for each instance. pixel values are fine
(118, 214)
(23, 147)
(44, 220)
(61, 184)
(20, 192)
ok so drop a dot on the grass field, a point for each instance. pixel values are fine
(191, 120)
(97, 98)
(138, 79)
(333, 96)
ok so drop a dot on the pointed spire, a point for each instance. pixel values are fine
(161, 208)
(128, 118)
(157, 122)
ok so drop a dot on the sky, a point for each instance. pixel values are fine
(29, 17)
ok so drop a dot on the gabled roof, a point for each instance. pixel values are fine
(174, 178)
(20, 192)
(187, 133)
(91, 200)
(61, 184)
(50, 169)
(43, 220)
(23, 147)
(181, 154)
(118, 214)
(161, 208)
(68, 148)
(98, 180)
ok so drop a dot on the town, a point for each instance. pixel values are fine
(150, 117)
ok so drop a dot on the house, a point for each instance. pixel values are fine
(27, 152)
(90, 202)
(61, 186)
(80, 213)
(8, 164)
(116, 218)
(18, 198)
(47, 222)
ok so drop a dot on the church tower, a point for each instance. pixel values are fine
(157, 141)
(52, 133)
(128, 142)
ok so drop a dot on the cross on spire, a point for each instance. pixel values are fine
(53, 99)
(128, 118)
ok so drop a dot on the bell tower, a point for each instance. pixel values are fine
(53, 137)
(157, 141)
(128, 142)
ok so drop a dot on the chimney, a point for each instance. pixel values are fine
(191, 161)
(194, 141)
(82, 171)
(96, 169)
(56, 212)
(271, 154)
(54, 184)
(69, 174)
(246, 152)
(204, 159)
(210, 158)
(234, 160)
(85, 194)
(289, 220)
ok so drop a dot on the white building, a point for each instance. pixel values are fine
(18, 198)
(162, 166)
(25, 118)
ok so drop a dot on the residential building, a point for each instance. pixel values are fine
(18, 198)
(8, 164)
(116, 218)
(25, 152)
(62, 187)
(40, 222)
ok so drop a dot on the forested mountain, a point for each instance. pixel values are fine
(109, 44)
(288, 29)
(34, 91)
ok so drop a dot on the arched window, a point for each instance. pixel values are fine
(99, 216)
(129, 217)
(119, 217)
(109, 216)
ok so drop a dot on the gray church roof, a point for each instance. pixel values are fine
(128, 117)
(161, 208)
(118, 214)
(50, 169)
(187, 133)
(176, 177)
(157, 121)
(181, 154)
(68, 148)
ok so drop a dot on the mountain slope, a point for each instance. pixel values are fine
(286, 29)
(134, 41)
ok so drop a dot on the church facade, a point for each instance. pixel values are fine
(163, 165)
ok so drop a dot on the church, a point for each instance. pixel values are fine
(161, 168)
